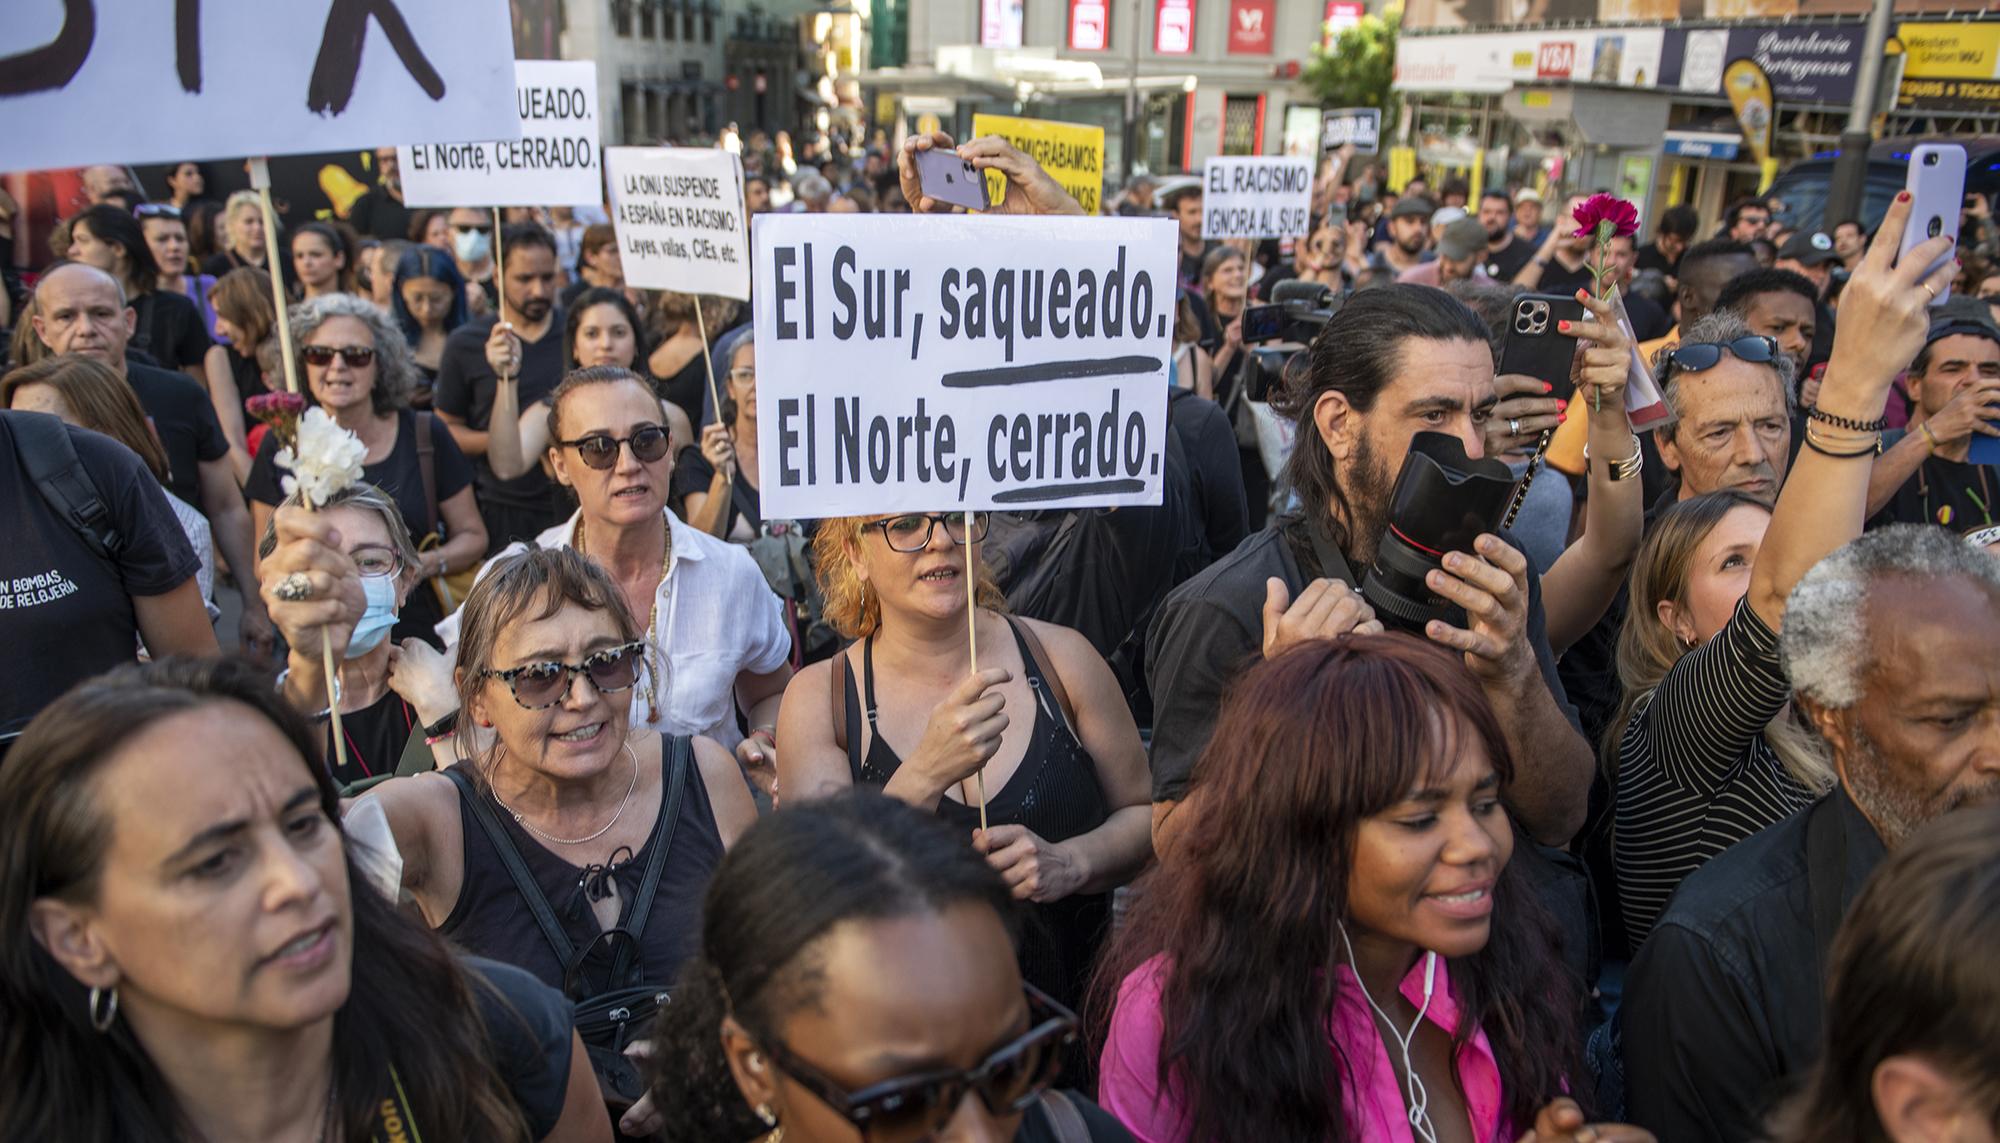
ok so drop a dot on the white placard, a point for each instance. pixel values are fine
(145, 81)
(554, 162)
(679, 214)
(946, 362)
(1260, 197)
(1360, 126)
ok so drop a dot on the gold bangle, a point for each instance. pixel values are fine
(1624, 469)
(1925, 428)
(1841, 450)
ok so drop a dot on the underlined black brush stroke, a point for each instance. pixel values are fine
(1064, 491)
(1052, 371)
(55, 63)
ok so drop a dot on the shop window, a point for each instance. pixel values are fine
(1241, 115)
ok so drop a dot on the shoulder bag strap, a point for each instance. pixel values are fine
(517, 868)
(678, 755)
(838, 691)
(427, 465)
(1048, 672)
(1065, 1118)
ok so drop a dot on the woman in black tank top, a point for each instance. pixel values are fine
(1043, 723)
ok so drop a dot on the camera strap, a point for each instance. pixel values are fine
(1332, 562)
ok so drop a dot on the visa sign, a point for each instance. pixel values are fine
(1555, 60)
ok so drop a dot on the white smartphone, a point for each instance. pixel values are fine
(948, 178)
(1936, 182)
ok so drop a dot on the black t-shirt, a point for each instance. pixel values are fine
(1211, 627)
(185, 422)
(1190, 267)
(1649, 321)
(66, 613)
(401, 475)
(686, 387)
(1215, 479)
(169, 329)
(1949, 493)
(693, 473)
(465, 388)
(376, 736)
(222, 262)
(1650, 258)
(249, 378)
(532, 1030)
(1510, 260)
(1557, 279)
(377, 215)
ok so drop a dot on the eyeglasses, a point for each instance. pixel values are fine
(912, 533)
(356, 356)
(746, 373)
(600, 450)
(538, 686)
(374, 561)
(469, 228)
(1695, 356)
(913, 1108)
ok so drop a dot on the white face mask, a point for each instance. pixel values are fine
(471, 245)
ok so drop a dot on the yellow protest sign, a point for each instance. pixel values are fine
(1071, 153)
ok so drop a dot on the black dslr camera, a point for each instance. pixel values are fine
(1442, 501)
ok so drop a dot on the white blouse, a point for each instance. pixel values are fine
(716, 619)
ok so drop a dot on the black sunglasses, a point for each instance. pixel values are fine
(912, 533)
(471, 227)
(538, 686)
(356, 356)
(913, 1108)
(600, 450)
(1695, 356)
(156, 210)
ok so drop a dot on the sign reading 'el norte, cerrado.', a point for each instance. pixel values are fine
(1262, 197)
(554, 159)
(961, 362)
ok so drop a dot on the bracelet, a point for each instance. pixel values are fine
(1925, 428)
(443, 728)
(1625, 469)
(1814, 443)
(1815, 413)
(433, 740)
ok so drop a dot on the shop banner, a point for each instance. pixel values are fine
(1089, 25)
(555, 160)
(1252, 24)
(1495, 62)
(1071, 153)
(1950, 66)
(141, 81)
(942, 363)
(1340, 15)
(1806, 63)
(679, 212)
(1256, 197)
(1000, 23)
(1173, 27)
(1750, 95)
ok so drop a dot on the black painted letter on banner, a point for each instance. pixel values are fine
(339, 62)
(55, 63)
(187, 44)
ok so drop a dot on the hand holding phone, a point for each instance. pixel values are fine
(1936, 182)
(1534, 347)
(948, 178)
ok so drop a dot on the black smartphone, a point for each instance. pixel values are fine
(1534, 347)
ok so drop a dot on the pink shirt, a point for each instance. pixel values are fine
(1372, 1096)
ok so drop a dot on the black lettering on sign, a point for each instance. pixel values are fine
(55, 63)
(339, 62)
(187, 44)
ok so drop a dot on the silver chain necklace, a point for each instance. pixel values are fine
(524, 824)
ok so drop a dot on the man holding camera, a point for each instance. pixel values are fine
(1393, 362)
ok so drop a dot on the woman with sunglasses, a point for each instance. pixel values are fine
(1043, 724)
(1706, 751)
(716, 636)
(781, 1027)
(357, 367)
(388, 717)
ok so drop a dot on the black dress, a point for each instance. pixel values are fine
(1055, 793)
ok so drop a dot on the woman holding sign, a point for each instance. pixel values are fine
(1044, 720)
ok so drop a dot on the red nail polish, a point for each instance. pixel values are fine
(1902, 196)
(1548, 388)
(1563, 325)
(1562, 418)
(1561, 405)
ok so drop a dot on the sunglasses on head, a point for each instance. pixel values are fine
(1695, 356)
(356, 356)
(537, 686)
(910, 1109)
(600, 450)
(156, 210)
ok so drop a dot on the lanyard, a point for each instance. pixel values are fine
(393, 1116)
(354, 751)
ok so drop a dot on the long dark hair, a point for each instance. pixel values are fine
(1307, 745)
(1912, 974)
(791, 878)
(338, 243)
(412, 1007)
(604, 296)
(420, 261)
(1358, 354)
(109, 224)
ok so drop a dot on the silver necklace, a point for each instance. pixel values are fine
(524, 823)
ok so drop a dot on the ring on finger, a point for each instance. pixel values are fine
(1929, 289)
(1513, 426)
(294, 588)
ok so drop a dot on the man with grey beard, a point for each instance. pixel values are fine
(1893, 648)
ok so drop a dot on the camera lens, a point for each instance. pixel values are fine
(1442, 501)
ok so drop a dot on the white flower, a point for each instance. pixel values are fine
(328, 458)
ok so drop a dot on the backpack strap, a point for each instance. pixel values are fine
(837, 689)
(517, 868)
(52, 463)
(1064, 1117)
(677, 752)
(427, 465)
(1040, 655)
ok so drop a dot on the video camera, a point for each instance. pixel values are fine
(1298, 310)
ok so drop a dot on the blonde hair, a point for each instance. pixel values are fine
(851, 608)
(1647, 648)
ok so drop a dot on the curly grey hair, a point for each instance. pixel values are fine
(395, 369)
(1720, 326)
(1825, 639)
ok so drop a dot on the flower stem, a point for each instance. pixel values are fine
(333, 704)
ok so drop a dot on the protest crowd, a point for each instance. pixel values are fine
(1521, 684)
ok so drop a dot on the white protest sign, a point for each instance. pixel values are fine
(943, 362)
(144, 81)
(1261, 197)
(679, 215)
(555, 159)
(1360, 126)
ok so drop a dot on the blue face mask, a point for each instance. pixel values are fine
(472, 245)
(379, 617)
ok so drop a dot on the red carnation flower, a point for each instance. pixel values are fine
(281, 411)
(1599, 209)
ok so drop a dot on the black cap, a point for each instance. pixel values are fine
(1808, 248)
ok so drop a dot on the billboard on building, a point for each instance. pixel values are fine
(1950, 66)
(1000, 23)
(1419, 15)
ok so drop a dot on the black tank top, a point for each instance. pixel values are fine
(491, 920)
(1054, 792)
